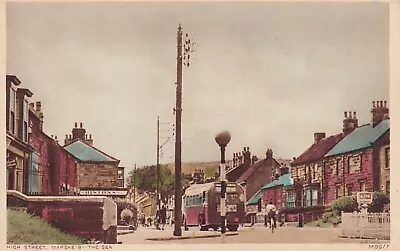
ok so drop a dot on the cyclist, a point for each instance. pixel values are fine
(271, 213)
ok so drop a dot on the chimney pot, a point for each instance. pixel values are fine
(355, 114)
(76, 125)
(244, 149)
(81, 124)
(38, 106)
(52, 136)
(32, 105)
(345, 114)
(66, 136)
(350, 115)
(69, 137)
(55, 137)
(385, 103)
(373, 104)
(90, 136)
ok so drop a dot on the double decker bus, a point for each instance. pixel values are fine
(201, 206)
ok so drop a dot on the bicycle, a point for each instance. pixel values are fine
(272, 223)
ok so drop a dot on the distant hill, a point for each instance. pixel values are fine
(209, 168)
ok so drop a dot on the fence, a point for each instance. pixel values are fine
(366, 225)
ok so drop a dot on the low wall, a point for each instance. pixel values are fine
(366, 225)
(87, 217)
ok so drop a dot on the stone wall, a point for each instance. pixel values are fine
(86, 217)
(98, 175)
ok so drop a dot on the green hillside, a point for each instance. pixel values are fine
(23, 228)
(209, 168)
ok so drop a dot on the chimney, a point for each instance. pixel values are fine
(269, 154)
(380, 112)
(247, 156)
(318, 136)
(254, 159)
(349, 122)
(78, 133)
(38, 106)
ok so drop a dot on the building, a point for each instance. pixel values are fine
(274, 191)
(97, 172)
(260, 173)
(360, 161)
(308, 171)
(19, 151)
(240, 163)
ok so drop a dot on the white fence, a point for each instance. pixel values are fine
(366, 225)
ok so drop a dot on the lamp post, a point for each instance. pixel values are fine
(222, 140)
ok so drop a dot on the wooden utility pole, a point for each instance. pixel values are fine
(134, 184)
(158, 164)
(178, 147)
(183, 58)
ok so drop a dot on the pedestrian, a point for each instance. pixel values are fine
(163, 216)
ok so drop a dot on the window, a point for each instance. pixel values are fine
(290, 199)
(25, 122)
(354, 164)
(387, 158)
(349, 189)
(12, 111)
(314, 171)
(34, 175)
(337, 166)
(308, 198)
(338, 191)
(314, 197)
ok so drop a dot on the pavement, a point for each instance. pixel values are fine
(246, 234)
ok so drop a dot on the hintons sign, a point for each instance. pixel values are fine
(364, 198)
(104, 192)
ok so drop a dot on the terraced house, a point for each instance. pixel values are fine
(358, 159)
(360, 162)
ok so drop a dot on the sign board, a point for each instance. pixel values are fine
(229, 189)
(251, 209)
(104, 192)
(364, 198)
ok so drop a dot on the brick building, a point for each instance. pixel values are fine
(260, 173)
(97, 172)
(306, 194)
(360, 162)
(18, 149)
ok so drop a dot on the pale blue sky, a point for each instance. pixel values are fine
(270, 73)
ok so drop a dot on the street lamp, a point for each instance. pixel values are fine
(222, 140)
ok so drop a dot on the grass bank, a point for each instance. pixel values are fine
(23, 228)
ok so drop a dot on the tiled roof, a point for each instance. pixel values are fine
(252, 168)
(285, 180)
(318, 150)
(362, 137)
(85, 152)
(255, 199)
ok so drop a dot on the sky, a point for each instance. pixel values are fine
(272, 74)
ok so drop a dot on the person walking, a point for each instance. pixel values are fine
(163, 215)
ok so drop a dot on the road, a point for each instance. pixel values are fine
(245, 235)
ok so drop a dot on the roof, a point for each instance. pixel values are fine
(252, 168)
(318, 150)
(362, 137)
(85, 152)
(285, 180)
(198, 188)
(255, 199)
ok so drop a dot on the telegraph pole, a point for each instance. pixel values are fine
(178, 150)
(183, 58)
(134, 184)
(158, 162)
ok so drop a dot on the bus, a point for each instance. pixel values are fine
(201, 206)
